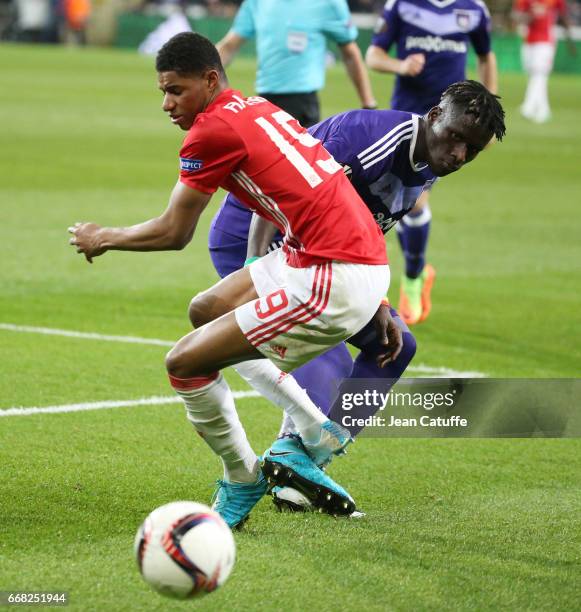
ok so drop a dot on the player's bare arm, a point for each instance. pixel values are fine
(377, 59)
(229, 46)
(357, 72)
(171, 231)
(260, 234)
(488, 71)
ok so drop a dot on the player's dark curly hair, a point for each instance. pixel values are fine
(476, 100)
(188, 53)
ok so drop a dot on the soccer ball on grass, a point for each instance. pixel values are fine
(184, 549)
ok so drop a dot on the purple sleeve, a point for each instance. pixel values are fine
(386, 29)
(333, 138)
(480, 37)
(361, 139)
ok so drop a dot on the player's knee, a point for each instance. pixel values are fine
(172, 362)
(199, 310)
(177, 364)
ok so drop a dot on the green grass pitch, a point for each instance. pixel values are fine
(451, 524)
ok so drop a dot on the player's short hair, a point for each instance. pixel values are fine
(188, 53)
(474, 99)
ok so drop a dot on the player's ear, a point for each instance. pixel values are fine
(434, 113)
(212, 77)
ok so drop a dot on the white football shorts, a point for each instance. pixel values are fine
(537, 58)
(302, 312)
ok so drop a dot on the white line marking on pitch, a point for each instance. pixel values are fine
(85, 335)
(145, 401)
(441, 372)
(420, 368)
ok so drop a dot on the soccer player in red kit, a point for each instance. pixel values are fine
(322, 287)
(538, 51)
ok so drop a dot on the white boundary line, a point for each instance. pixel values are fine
(144, 401)
(441, 372)
(50, 331)
(418, 368)
(435, 372)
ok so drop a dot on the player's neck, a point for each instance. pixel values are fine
(222, 86)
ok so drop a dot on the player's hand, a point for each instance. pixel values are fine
(86, 239)
(412, 65)
(389, 335)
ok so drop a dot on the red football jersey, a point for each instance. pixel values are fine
(262, 155)
(543, 15)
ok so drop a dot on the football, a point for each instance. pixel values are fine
(184, 549)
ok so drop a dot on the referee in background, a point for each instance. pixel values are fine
(291, 50)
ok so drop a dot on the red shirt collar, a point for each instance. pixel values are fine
(222, 97)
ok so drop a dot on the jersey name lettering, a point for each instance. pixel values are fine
(240, 104)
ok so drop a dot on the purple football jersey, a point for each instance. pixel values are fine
(441, 30)
(377, 149)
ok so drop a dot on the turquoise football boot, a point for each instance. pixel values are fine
(233, 501)
(333, 441)
(287, 499)
(287, 464)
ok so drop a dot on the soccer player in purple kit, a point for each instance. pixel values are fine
(431, 39)
(391, 157)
